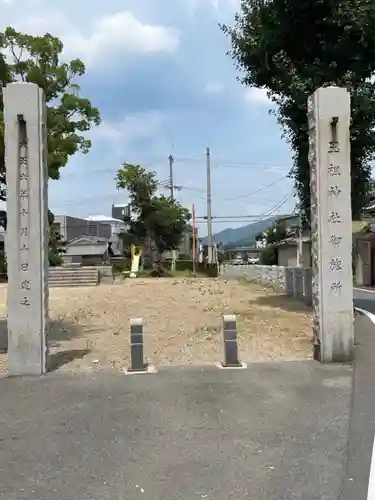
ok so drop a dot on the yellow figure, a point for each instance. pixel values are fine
(136, 256)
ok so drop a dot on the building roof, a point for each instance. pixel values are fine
(102, 218)
(94, 240)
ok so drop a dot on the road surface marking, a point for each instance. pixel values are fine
(368, 314)
(365, 290)
(371, 482)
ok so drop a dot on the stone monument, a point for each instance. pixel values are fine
(27, 228)
(331, 224)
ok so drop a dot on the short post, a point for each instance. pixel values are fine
(230, 341)
(136, 345)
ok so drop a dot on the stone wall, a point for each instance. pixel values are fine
(291, 281)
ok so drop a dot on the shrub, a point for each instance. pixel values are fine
(268, 256)
(184, 265)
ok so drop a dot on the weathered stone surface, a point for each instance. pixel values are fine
(27, 230)
(331, 223)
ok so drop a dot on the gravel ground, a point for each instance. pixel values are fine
(90, 326)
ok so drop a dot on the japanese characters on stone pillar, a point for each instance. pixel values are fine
(331, 224)
(27, 228)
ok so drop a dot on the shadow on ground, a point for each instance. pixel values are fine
(60, 331)
(284, 302)
(58, 359)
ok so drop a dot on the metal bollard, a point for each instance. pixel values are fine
(230, 341)
(136, 346)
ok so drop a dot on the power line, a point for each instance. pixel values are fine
(251, 193)
(268, 213)
(150, 164)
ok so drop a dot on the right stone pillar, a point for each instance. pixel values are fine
(331, 224)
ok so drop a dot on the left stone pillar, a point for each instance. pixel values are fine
(27, 228)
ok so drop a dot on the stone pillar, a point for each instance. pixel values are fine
(27, 229)
(331, 224)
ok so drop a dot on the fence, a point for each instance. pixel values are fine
(292, 281)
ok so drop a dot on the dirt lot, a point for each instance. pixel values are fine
(90, 326)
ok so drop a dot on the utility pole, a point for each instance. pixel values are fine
(171, 189)
(209, 206)
(194, 241)
(171, 184)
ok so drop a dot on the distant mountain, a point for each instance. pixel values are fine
(242, 236)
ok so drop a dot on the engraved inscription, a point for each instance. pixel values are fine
(25, 283)
(25, 301)
(334, 147)
(334, 190)
(336, 286)
(335, 264)
(334, 170)
(334, 218)
(24, 194)
(335, 240)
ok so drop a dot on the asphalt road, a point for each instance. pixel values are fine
(362, 414)
(364, 299)
(274, 431)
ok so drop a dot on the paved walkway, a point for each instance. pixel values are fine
(275, 431)
(271, 432)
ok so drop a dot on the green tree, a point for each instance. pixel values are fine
(268, 256)
(159, 218)
(276, 233)
(56, 243)
(37, 59)
(337, 49)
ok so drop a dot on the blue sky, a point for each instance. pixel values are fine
(158, 71)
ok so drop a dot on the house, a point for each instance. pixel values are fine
(287, 251)
(85, 250)
(71, 228)
(118, 228)
(87, 239)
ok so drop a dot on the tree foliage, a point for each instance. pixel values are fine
(37, 59)
(152, 216)
(56, 247)
(291, 48)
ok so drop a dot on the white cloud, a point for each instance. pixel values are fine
(220, 8)
(257, 96)
(110, 36)
(123, 31)
(131, 128)
(214, 87)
